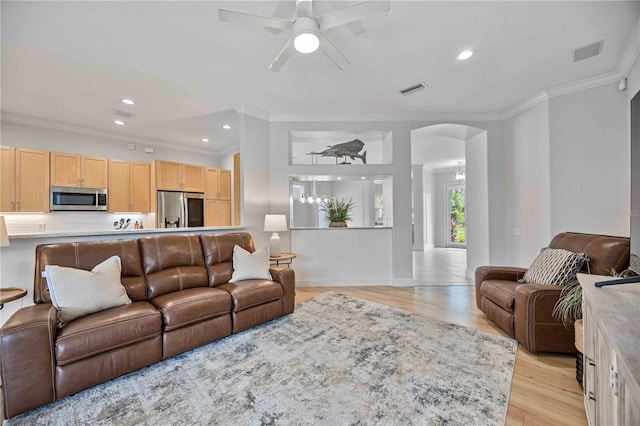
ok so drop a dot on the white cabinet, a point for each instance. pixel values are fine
(611, 319)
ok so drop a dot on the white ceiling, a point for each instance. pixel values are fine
(71, 62)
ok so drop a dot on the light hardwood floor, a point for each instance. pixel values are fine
(544, 390)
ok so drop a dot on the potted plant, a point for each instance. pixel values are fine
(568, 309)
(338, 212)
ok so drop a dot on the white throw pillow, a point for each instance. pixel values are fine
(76, 292)
(555, 267)
(250, 266)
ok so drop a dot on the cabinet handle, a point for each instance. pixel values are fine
(78, 182)
(17, 205)
(592, 396)
(82, 183)
(590, 361)
(11, 206)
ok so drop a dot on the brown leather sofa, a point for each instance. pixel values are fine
(181, 299)
(525, 311)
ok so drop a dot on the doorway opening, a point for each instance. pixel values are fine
(450, 200)
(456, 227)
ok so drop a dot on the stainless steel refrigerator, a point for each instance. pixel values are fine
(180, 209)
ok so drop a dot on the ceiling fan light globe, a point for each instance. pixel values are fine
(306, 43)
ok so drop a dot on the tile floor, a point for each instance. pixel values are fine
(440, 266)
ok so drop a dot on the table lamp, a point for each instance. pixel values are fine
(274, 223)
(4, 237)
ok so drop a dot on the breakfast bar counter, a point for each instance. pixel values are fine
(125, 233)
(342, 256)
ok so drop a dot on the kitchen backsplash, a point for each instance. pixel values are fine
(36, 223)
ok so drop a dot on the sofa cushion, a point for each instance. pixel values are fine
(250, 266)
(172, 263)
(555, 267)
(500, 292)
(192, 305)
(218, 253)
(106, 330)
(87, 254)
(249, 293)
(77, 292)
(605, 252)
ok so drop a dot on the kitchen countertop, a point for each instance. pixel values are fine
(86, 233)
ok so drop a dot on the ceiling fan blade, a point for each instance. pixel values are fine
(284, 10)
(353, 13)
(247, 18)
(333, 53)
(282, 57)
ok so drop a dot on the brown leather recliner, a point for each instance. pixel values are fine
(525, 311)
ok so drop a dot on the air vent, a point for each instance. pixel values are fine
(587, 51)
(413, 88)
(124, 114)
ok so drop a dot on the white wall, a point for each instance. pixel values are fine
(527, 206)
(476, 207)
(428, 201)
(401, 172)
(589, 161)
(441, 222)
(567, 169)
(419, 214)
(255, 172)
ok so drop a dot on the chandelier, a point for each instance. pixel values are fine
(313, 199)
(459, 176)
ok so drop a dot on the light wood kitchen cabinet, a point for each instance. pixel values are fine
(128, 186)
(218, 184)
(217, 213)
(611, 334)
(172, 176)
(218, 195)
(79, 171)
(25, 180)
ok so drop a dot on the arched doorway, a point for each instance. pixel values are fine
(447, 246)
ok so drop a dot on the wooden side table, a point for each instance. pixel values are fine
(284, 258)
(10, 294)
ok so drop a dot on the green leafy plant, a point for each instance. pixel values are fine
(337, 210)
(568, 308)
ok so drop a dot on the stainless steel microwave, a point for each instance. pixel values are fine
(78, 199)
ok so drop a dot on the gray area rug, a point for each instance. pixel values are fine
(336, 361)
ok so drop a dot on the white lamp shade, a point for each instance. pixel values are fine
(275, 222)
(4, 236)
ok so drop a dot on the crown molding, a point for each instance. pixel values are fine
(630, 55)
(87, 131)
(625, 65)
(565, 89)
(525, 105)
(421, 116)
(252, 111)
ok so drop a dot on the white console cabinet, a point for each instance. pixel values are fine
(611, 318)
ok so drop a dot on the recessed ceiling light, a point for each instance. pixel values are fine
(128, 101)
(464, 55)
(363, 177)
(226, 126)
(119, 122)
(205, 140)
(339, 177)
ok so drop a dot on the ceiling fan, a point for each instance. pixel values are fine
(307, 28)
